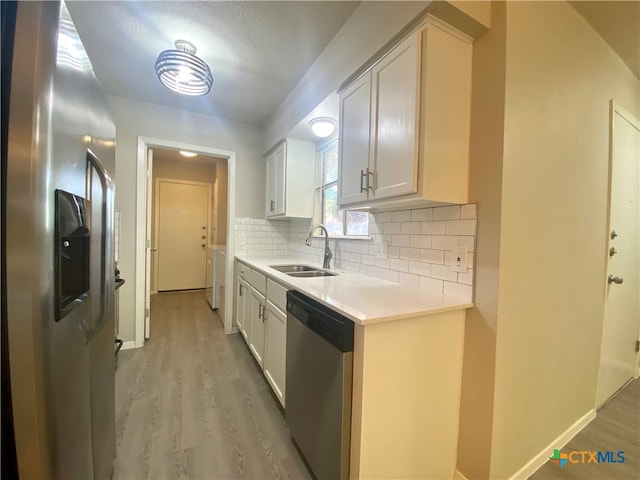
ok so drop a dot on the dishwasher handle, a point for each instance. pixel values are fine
(334, 328)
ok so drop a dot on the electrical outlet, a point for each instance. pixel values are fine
(382, 250)
(459, 259)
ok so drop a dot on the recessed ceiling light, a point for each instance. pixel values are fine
(322, 126)
(182, 71)
(187, 153)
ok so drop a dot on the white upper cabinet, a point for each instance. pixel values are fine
(404, 124)
(290, 180)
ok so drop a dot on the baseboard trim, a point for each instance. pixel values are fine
(128, 345)
(536, 462)
(459, 476)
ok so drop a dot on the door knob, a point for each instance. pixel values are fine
(612, 251)
(153, 249)
(617, 280)
(203, 245)
(613, 234)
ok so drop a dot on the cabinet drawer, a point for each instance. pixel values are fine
(277, 294)
(259, 282)
(244, 271)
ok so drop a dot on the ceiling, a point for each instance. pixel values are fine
(618, 23)
(257, 50)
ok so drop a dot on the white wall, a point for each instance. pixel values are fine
(134, 119)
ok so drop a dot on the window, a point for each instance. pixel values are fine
(339, 223)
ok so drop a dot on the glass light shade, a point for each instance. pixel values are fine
(186, 153)
(322, 126)
(182, 71)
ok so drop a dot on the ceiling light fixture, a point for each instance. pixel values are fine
(322, 126)
(186, 153)
(182, 71)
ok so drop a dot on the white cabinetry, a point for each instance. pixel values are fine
(404, 124)
(290, 180)
(261, 318)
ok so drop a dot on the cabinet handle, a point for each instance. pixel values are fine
(362, 175)
(369, 187)
(272, 205)
(261, 311)
(240, 290)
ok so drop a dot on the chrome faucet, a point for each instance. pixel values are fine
(327, 251)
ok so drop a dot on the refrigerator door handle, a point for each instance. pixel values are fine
(107, 287)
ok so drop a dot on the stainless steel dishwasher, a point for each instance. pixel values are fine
(319, 379)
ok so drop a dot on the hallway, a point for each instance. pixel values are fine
(192, 403)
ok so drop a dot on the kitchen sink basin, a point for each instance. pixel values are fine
(313, 273)
(294, 268)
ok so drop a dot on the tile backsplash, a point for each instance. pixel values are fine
(411, 247)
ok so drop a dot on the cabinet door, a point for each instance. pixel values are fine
(275, 350)
(256, 325)
(395, 106)
(276, 181)
(243, 305)
(355, 127)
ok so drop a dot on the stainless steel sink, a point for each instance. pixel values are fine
(302, 271)
(294, 268)
(314, 273)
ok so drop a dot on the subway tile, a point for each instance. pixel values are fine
(399, 265)
(433, 228)
(383, 217)
(466, 278)
(390, 228)
(443, 272)
(393, 252)
(390, 275)
(468, 211)
(432, 256)
(408, 280)
(458, 290)
(461, 227)
(368, 259)
(419, 268)
(431, 285)
(382, 262)
(446, 213)
(410, 228)
(374, 272)
(420, 241)
(410, 253)
(468, 241)
(422, 215)
(401, 216)
(400, 240)
(441, 242)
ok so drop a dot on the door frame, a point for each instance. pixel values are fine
(156, 217)
(144, 143)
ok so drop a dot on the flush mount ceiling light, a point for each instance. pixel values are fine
(322, 126)
(182, 71)
(186, 153)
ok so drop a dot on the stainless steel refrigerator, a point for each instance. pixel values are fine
(58, 259)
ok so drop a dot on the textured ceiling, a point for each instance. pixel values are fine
(257, 51)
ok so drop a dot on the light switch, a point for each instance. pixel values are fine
(459, 259)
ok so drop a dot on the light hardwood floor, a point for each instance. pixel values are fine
(192, 403)
(616, 428)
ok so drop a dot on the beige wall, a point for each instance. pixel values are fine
(485, 189)
(545, 331)
(134, 119)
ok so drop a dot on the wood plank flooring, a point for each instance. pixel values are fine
(192, 403)
(616, 428)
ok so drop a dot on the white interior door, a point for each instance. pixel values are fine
(183, 224)
(148, 247)
(618, 357)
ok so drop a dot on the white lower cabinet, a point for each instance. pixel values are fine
(256, 328)
(243, 299)
(275, 359)
(262, 320)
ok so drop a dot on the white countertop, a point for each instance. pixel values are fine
(361, 298)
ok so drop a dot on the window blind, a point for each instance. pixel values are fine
(329, 163)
